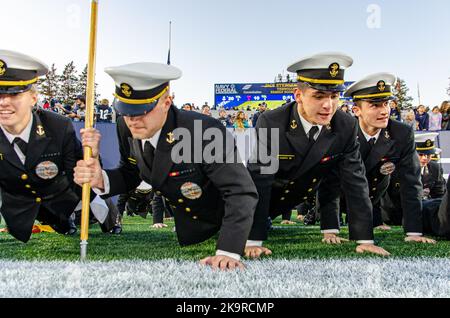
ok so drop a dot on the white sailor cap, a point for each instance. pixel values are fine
(426, 143)
(18, 72)
(323, 71)
(376, 88)
(139, 86)
(437, 154)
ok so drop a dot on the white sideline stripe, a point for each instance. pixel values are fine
(368, 278)
(445, 160)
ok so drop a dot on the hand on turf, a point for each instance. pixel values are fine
(256, 251)
(287, 222)
(419, 239)
(383, 227)
(371, 248)
(333, 239)
(223, 263)
(159, 226)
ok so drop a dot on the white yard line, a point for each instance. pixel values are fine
(262, 279)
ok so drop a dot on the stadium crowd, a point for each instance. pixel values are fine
(421, 117)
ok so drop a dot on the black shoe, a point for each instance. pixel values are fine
(116, 230)
(72, 232)
(269, 224)
(72, 227)
(310, 218)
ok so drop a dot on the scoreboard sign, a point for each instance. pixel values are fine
(242, 96)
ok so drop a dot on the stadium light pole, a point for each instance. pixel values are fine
(89, 123)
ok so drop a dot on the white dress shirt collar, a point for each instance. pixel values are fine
(153, 141)
(307, 126)
(24, 135)
(368, 137)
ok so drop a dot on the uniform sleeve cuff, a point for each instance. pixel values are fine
(414, 234)
(106, 184)
(330, 231)
(254, 243)
(365, 242)
(237, 257)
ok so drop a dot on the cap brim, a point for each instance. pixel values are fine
(380, 100)
(327, 88)
(133, 110)
(14, 90)
(426, 152)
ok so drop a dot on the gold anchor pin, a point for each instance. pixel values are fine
(386, 134)
(1, 156)
(328, 127)
(126, 90)
(40, 131)
(294, 125)
(170, 138)
(2, 68)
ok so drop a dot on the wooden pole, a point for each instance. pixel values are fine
(89, 123)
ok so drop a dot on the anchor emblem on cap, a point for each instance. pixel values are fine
(126, 90)
(381, 86)
(429, 143)
(334, 69)
(170, 138)
(2, 68)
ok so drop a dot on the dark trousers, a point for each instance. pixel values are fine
(435, 215)
(160, 209)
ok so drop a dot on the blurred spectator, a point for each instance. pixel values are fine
(262, 109)
(206, 110)
(241, 122)
(410, 119)
(395, 111)
(187, 107)
(104, 112)
(445, 111)
(79, 109)
(346, 109)
(46, 105)
(435, 119)
(224, 118)
(61, 110)
(422, 118)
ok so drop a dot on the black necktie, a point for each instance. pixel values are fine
(21, 144)
(312, 133)
(149, 154)
(371, 143)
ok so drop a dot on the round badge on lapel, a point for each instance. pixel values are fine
(47, 170)
(387, 169)
(191, 191)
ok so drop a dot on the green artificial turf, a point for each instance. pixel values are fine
(139, 242)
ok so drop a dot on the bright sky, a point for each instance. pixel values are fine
(240, 41)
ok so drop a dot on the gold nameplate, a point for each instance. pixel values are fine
(286, 157)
